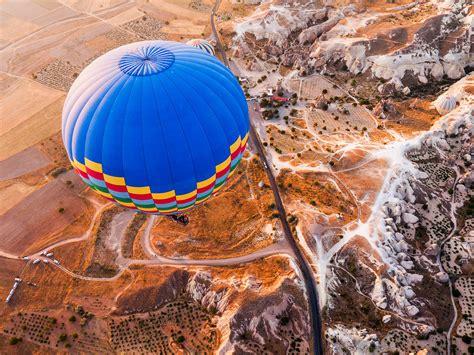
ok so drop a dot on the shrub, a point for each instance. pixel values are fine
(72, 318)
(61, 209)
(15, 340)
(372, 347)
(62, 337)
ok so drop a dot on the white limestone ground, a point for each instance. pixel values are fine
(277, 22)
(396, 214)
(350, 340)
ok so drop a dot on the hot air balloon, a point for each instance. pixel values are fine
(445, 104)
(155, 126)
(203, 45)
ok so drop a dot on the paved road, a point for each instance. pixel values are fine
(315, 317)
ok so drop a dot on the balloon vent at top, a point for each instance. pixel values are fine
(146, 61)
(155, 126)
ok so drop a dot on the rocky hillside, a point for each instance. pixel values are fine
(398, 47)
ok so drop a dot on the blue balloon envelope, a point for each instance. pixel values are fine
(155, 126)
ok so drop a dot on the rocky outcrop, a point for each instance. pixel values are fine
(275, 323)
(310, 34)
(201, 290)
(441, 47)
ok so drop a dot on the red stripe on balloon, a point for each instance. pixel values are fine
(223, 172)
(95, 174)
(187, 200)
(205, 188)
(141, 196)
(116, 188)
(164, 200)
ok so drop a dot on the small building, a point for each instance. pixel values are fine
(279, 98)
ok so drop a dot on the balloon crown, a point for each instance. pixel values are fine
(147, 60)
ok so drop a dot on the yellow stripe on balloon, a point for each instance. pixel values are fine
(139, 189)
(116, 180)
(127, 204)
(78, 165)
(163, 195)
(223, 165)
(93, 165)
(206, 182)
(235, 145)
(244, 140)
(185, 196)
(185, 208)
(148, 209)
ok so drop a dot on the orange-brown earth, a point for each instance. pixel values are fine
(87, 311)
(40, 218)
(230, 222)
(320, 191)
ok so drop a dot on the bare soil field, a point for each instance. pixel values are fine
(13, 194)
(9, 269)
(39, 216)
(37, 127)
(415, 115)
(21, 99)
(22, 163)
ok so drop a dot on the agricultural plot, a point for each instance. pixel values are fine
(340, 118)
(465, 285)
(60, 207)
(178, 325)
(27, 161)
